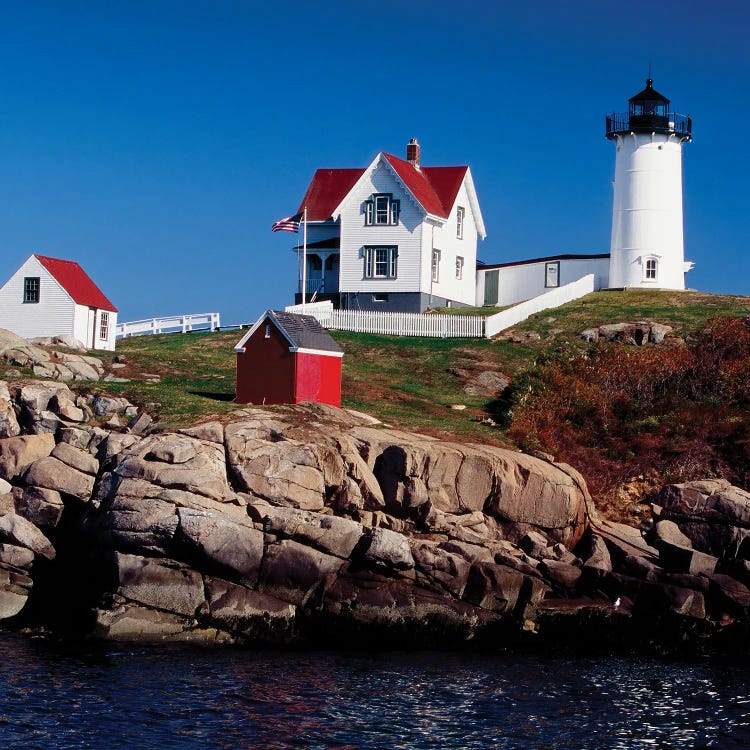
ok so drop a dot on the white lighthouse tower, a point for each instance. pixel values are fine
(647, 248)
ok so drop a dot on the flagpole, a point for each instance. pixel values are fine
(304, 258)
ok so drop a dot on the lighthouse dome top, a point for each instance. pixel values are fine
(649, 112)
(649, 94)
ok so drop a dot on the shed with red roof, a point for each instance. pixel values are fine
(395, 235)
(287, 358)
(54, 297)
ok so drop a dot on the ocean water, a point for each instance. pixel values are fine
(61, 696)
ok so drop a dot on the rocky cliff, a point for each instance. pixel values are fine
(311, 524)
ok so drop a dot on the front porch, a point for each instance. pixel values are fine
(321, 272)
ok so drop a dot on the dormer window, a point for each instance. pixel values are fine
(381, 209)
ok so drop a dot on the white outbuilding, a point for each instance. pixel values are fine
(53, 297)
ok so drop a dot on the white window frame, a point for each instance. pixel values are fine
(381, 261)
(435, 272)
(552, 274)
(460, 214)
(459, 267)
(382, 210)
(31, 290)
(104, 326)
(651, 269)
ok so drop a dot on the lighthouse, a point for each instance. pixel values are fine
(647, 249)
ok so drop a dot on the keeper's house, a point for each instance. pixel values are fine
(393, 236)
(53, 297)
(287, 358)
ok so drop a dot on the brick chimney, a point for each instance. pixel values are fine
(412, 152)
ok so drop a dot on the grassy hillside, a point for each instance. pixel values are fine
(404, 381)
(565, 396)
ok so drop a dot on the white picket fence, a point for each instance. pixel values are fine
(183, 323)
(439, 325)
(394, 324)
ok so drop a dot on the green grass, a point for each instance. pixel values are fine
(403, 381)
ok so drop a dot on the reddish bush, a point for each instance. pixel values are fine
(675, 413)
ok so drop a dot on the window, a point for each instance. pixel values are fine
(31, 289)
(380, 262)
(436, 265)
(651, 269)
(380, 298)
(104, 326)
(268, 331)
(381, 209)
(460, 222)
(552, 274)
(459, 267)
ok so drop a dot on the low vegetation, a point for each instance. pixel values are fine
(628, 417)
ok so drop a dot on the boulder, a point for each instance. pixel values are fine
(18, 453)
(160, 584)
(212, 432)
(18, 531)
(14, 592)
(41, 506)
(561, 573)
(222, 543)
(292, 572)
(441, 568)
(330, 534)
(499, 588)
(249, 613)
(105, 406)
(683, 559)
(53, 474)
(76, 458)
(132, 622)
(14, 556)
(63, 405)
(35, 397)
(388, 549)
(203, 474)
(669, 532)
(9, 426)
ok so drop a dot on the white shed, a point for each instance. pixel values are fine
(53, 297)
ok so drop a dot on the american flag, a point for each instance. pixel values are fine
(290, 224)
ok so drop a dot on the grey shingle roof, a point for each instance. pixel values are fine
(305, 331)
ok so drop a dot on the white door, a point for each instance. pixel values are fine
(91, 329)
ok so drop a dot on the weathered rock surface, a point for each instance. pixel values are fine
(310, 524)
(638, 333)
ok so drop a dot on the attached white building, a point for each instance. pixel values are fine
(504, 284)
(393, 236)
(53, 297)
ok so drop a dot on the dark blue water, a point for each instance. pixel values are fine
(54, 696)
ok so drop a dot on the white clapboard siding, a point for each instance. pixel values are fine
(183, 323)
(53, 315)
(355, 235)
(445, 238)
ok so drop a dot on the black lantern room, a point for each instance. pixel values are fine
(648, 112)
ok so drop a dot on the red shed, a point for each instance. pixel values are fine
(286, 358)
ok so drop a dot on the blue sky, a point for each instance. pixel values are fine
(155, 142)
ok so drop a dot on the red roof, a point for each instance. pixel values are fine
(76, 282)
(327, 189)
(435, 188)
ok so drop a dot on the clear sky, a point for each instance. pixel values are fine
(156, 141)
